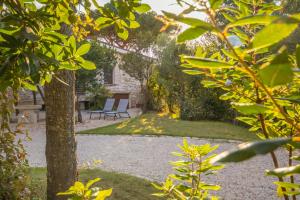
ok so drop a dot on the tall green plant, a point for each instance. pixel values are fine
(259, 75)
(186, 182)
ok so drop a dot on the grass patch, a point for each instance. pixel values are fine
(125, 187)
(159, 124)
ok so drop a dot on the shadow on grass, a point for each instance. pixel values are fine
(164, 124)
(125, 187)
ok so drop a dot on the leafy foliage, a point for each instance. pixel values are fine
(38, 32)
(13, 165)
(92, 82)
(257, 71)
(79, 191)
(176, 92)
(36, 42)
(140, 39)
(187, 182)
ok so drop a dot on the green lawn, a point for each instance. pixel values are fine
(125, 187)
(158, 124)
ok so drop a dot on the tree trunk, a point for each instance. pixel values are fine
(144, 91)
(41, 93)
(77, 106)
(34, 97)
(60, 134)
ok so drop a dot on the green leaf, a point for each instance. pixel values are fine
(103, 20)
(29, 86)
(298, 56)
(123, 33)
(206, 63)
(293, 99)
(88, 65)
(102, 195)
(210, 84)
(192, 72)
(195, 22)
(256, 19)
(190, 34)
(287, 185)
(284, 171)
(56, 35)
(134, 24)
(142, 8)
(189, 21)
(210, 187)
(91, 182)
(249, 108)
(83, 49)
(273, 33)
(277, 74)
(68, 66)
(72, 43)
(69, 192)
(229, 17)
(9, 31)
(248, 150)
(214, 4)
(78, 186)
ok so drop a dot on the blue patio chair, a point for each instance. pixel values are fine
(109, 104)
(121, 110)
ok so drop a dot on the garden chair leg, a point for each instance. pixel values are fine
(91, 115)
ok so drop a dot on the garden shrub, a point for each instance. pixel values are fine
(79, 191)
(187, 181)
(256, 70)
(201, 103)
(13, 164)
(173, 91)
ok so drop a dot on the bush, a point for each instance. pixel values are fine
(176, 92)
(13, 164)
(206, 105)
(187, 181)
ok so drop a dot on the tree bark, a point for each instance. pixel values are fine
(77, 106)
(34, 97)
(144, 91)
(60, 134)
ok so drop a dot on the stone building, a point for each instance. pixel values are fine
(118, 82)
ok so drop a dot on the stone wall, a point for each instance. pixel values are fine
(122, 84)
(125, 84)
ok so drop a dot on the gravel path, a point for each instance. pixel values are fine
(148, 157)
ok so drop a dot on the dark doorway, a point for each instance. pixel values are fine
(119, 96)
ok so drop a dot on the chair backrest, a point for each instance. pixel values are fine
(123, 104)
(109, 104)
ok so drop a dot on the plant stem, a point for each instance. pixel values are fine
(290, 164)
(273, 155)
(292, 180)
(246, 68)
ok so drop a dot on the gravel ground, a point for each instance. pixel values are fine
(148, 157)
